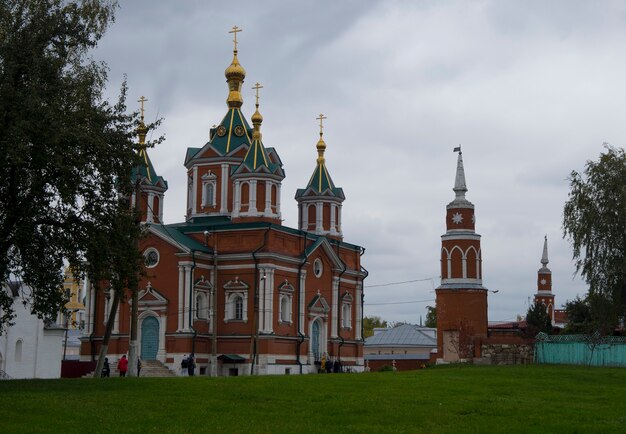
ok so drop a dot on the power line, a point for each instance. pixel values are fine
(400, 283)
(399, 302)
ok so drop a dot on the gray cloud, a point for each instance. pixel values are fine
(530, 89)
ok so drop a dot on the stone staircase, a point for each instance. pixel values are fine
(154, 368)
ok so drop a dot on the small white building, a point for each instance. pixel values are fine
(30, 348)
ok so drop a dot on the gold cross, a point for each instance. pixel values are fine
(257, 87)
(235, 30)
(142, 100)
(321, 119)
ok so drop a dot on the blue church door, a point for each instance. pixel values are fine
(149, 338)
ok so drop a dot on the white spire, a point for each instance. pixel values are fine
(544, 257)
(459, 183)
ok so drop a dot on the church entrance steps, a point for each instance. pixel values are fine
(154, 368)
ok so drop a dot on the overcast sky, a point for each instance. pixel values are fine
(530, 89)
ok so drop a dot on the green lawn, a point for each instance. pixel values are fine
(466, 399)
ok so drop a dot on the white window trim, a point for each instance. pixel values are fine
(229, 309)
(209, 179)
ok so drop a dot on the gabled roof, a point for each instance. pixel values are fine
(322, 242)
(405, 335)
(319, 304)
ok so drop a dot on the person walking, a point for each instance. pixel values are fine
(138, 366)
(106, 369)
(122, 366)
(191, 365)
(184, 366)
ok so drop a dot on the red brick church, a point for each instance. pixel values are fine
(231, 284)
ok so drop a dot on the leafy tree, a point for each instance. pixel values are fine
(594, 219)
(67, 154)
(587, 315)
(431, 317)
(370, 323)
(537, 320)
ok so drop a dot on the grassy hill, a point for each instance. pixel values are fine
(464, 399)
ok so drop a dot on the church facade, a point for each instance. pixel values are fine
(231, 284)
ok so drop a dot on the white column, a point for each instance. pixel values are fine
(302, 304)
(132, 200)
(161, 196)
(262, 287)
(333, 223)
(359, 314)
(269, 301)
(304, 216)
(278, 200)
(252, 204)
(339, 220)
(268, 199)
(237, 194)
(224, 190)
(181, 285)
(194, 199)
(319, 217)
(334, 309)
(149, 208)
(186, 294)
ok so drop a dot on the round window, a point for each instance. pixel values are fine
(151, 257)
(318, 268)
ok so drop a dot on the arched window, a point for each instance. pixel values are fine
(238, 307)
(285, 308)
(201, 310)
(346, 315)
(18, 350)
(209, 182)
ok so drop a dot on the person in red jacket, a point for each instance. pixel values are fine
(122, 366)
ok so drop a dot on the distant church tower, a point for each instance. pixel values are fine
(319, 204)
(151, 187)
(544, 283)
(461, 297)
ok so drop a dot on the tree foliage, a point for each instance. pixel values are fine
(537, 319)
(67, 154)
(370, 323)
(431, 317)
(588, 315)
(594, 220)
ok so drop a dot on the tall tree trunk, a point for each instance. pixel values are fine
(107, 334)
(133, 353)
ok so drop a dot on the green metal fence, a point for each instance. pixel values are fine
(592, 350)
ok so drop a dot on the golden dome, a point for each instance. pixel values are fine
(256, 117)
(321, 147)
(234, 76)
(235, 71)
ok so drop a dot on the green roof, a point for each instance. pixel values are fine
(179, 232)
(228, 136)
(146, 171)
(321, 183)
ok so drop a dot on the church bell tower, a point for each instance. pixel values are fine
(461, 297)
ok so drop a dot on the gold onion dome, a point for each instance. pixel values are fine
(256, 117)
(321, 147)
(235, 71)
